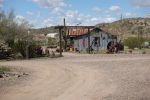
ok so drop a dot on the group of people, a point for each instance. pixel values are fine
(114, 47)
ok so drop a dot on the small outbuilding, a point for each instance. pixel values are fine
(91, 38)
(96, 40)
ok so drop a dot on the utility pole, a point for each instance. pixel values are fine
(121, 17)
(60, 38)
(121, 31)
(89, 48)
(65, 35)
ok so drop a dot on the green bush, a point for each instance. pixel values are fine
(35, 50)
(134, 42)
(21, 46)
(4, 69)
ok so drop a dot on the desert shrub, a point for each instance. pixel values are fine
(134, 42)
(4, 69)
(33, 49)
(20, 47)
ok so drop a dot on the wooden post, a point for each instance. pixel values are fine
(89, 48)
(60, 38)
(65, 34)
(60, 41)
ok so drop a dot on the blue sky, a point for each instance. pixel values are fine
(44, 13)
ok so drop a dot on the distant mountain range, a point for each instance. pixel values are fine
(124, 27)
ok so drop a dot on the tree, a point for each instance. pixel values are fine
(52, 41)
(14, 33)
(133, 42)
(10, 29)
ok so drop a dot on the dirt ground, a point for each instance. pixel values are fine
(80, 77)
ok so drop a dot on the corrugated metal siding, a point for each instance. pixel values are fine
(82, 43)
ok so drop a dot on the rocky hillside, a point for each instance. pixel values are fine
(128, 27)
(44, 30)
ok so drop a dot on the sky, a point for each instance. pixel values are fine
(45, 13)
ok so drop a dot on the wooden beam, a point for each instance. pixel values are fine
(89, 48)
(60, 38)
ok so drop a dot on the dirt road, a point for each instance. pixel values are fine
(82, 77)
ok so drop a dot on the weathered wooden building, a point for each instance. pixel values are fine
(92, 39)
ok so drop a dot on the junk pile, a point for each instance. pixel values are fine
(5, 51)
(114, 47)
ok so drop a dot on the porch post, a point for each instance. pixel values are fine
(60, 41)
(65, 35)
(60, 38)
(89, 48)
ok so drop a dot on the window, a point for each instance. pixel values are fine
(96, 41)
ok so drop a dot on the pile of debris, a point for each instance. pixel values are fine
(115, 47)
(5, 51)
(12, 75)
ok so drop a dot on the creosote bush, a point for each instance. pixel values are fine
(4, 69)
(134, 42)
(33, 49)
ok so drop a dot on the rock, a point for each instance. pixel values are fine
(19, 75)
(130, 51)
(7, 75)
(25, 74)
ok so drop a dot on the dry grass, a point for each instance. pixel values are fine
(4, 69)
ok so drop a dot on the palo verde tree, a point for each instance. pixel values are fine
(11, 29)
(14, 32)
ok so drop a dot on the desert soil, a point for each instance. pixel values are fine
(80, 77)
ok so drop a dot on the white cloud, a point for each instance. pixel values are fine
(129, 15)
(51, 4)
(97, 9)
(51, 22)
(97, 20)
(55, 6)
(20, 19)
(1, 3)
(35, 20)
(48, 22)
(73, 17)
(70, 5)
(71, 14)
(94, 19)
(109, 19)
(38, 14)
(29, 13)
(115, 8)
(141, 3)
(57, 11)
(148, 15)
